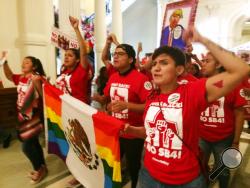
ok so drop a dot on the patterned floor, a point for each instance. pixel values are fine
(14, 168)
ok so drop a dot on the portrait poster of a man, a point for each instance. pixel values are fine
(177, 17)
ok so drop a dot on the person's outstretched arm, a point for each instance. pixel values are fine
(3, 57)
(106, 50)
(7, 71)
(83, 50)
(236, 69)
(139, 50)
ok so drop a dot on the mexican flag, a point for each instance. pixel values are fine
(86, 139)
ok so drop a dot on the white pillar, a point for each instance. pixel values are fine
(35, 21)
(68, 8)
(117, 19)
(100, 32)
(160, 9)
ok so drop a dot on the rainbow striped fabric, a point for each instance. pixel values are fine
(57, 143)
(86, 139)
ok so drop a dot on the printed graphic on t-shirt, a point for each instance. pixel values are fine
(63, 83)
(162, 140)
(182, 82)
(119, 92)
(21, 90)
(242, 94)
(214, 113)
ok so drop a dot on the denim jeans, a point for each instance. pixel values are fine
(146, 181)
(34, 152)
(217, 149)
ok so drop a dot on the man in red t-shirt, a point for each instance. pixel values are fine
(222, 122)
(127, 90)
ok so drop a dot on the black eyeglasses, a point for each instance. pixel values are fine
(118, 54)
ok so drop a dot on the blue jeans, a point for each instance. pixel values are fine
(217, 149)
(146, 181)
(34, 152)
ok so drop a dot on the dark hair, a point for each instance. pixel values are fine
(221, 68)
(76, 52)
(102, 79)
(129, 50)
(176, 54)
(188, 58)
(36, 63)
(148, 54)
(196, 67)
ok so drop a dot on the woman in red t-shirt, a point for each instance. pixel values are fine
(77, 72)
(171, 117)
(32, 70)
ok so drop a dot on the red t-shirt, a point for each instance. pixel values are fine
(246, 84)
(75, 83)
(133, 87)
(166, 157)
(148, 74)
(218, 120)
(187, 78)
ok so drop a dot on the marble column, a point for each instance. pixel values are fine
(100, 32)
(117, 19)
(35, 19)
(68, 8)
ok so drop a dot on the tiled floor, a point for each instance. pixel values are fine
(14, 168)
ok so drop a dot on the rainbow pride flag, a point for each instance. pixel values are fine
(56, 141)
(86, 139)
